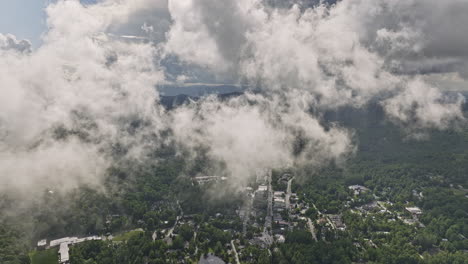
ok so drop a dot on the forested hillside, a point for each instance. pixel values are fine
(389, 161)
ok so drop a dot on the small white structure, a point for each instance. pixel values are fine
(90, 238)
(206, 179)
(279, 200)
(67, 240)
(262, 188)
(279, 193)
(280, 238)
(415, 211)
(358, 189)
(42, 243)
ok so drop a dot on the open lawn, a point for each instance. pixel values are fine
(126, 236)
(49, 256)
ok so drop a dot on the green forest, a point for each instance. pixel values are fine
(150, 196)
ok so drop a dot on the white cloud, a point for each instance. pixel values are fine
(92, 83)
(10, 42)
(80, 80)
(422, 106)
(345, 53)
(252, 132)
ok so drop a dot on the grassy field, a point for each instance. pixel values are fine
(126, 236)
(49, 256)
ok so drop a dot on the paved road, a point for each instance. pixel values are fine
(247, 210)
(269, 216)
(288, 194)
(315, 207)
(267, 230)
(169, 233)
(287, 202)
(236, 256)
(195, 239)
(177, 220)
(312, 229)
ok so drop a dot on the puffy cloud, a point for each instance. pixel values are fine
(90, 86)
(9, 42)
(67, 104)
(252, 132)
(421, 106)
(55, 165)
(419, 33)
(318, 50)
(344, 53)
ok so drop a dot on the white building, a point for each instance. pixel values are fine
(207, 179)
(63, 244)
(415, 211)
(42, 243)
(358, 189)
(280, 238)
(279, 194)
(64, 257)
(67, 240)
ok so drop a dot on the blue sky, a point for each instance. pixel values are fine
(25, 18)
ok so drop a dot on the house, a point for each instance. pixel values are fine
(277, 218)
(280, 238)
(279, 194)
(337, 222)
(284, 178)
(414, 211)
(207, 179)
(42, 244)
(358, 189)
(279, 202)
(282, 223)
(370, 207)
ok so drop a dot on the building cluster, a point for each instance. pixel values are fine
(358, 189)
(266, 217)
(410, 216)
(337, 222)
(415, 213)
(280, 211)
(201, 180)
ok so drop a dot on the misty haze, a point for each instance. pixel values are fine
(233, 131)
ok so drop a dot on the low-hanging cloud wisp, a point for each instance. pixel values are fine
(90, 87)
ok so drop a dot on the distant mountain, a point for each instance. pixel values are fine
(198, 90)
(177, 96)
(302, 3)
(171, 102)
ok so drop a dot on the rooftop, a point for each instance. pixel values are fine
(63, 251)
(42, 243)
(67, 240)
(414, 210)
(358, 187)
(210, 259)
